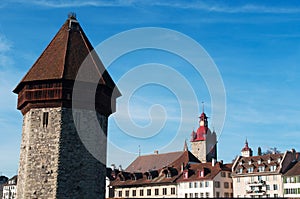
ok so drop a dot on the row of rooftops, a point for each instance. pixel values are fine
(183, 166)
(166, 168)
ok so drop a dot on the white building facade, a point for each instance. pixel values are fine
(260, 176)
(10, 189)
(291, 182)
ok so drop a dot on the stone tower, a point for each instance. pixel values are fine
(203, 141)
(54, 159)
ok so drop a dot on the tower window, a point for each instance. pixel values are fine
(45, 119)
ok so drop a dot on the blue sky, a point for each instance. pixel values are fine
(255, 45)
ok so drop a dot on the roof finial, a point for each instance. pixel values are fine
(72, 15)
(202, 107)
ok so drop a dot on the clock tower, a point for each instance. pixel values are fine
(203, 141)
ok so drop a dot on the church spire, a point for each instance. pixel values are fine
(185, 146)
(246, 151)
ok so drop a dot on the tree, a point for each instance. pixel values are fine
(271, 151)
(259, 151)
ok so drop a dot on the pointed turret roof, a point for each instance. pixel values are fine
(63, 57)
(185, 147)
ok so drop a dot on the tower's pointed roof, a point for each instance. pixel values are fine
(246, 147)
(185, 146)
(63, 57)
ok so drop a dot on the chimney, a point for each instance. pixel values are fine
(221, 161)
(113, 167)
(213, 162)
(156, 152)
(120, 167)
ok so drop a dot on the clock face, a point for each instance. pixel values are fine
(201, 123)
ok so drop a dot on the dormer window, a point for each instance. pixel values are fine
(250, 170)
(201, 173)
(240, 170)
(149, 177)
(261, 169)
(249, 162)
(269, 161)
(273, 168)
(186, 175)
(168, 175)
(241, 163)
(278, 160)
(258, 161)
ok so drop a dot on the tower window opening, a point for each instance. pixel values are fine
(45, 119)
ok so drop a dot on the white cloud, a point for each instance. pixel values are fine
(196, 5)
(5, 47)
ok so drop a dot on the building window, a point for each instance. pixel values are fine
(141, 192)
(273, 168)
(120, 193)
(173, 191)
(275, 195)
(238, 179)
(250, 170)
(259, 178)
(217, 184)
(261, 169)
(223, 174)
(164, 191)
(252, 179)
(190, 185)
(186, 195)
(268, 195)
(191, 195)
(156, 192)
(201, 195)
(207, 194)
(45, 119)
(240, 170)
(258, 161)
(195, 185)
(218, 194)
(133, 192)
(275, 186)
(206, 184)
(186, 175)
(148, 192)
(226, 185)
(127, 193)
(196, 195)
(201, 184)
(228, 175)
(226, 195)
(267, 187)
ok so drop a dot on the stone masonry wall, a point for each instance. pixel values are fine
(39, 154)
(54, 163)
(80, 174)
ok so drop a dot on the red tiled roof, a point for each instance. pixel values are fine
(164, 163)
(255, 164)
(153, 161)
(209, 174)
(63, 57)
(294, 170)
